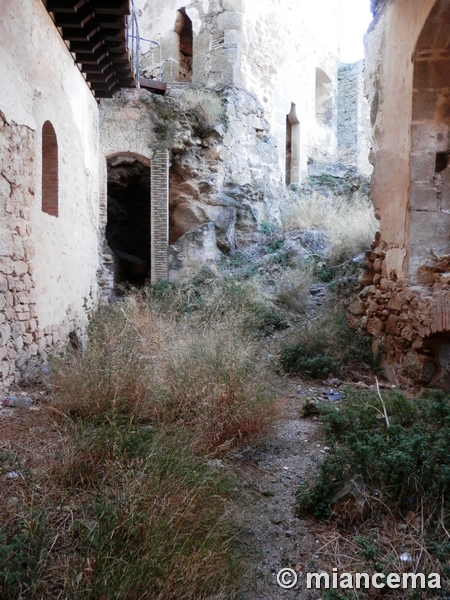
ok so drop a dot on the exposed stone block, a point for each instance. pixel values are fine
(234, 5)
(424, 105)
(230, 20)
(375, 327)
(432, 74)
(423, 166)
(423, 196)
(6, 244)
(20, 268)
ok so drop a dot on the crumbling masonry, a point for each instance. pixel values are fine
(405, 304)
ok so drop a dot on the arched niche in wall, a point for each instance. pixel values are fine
(325, 98)
(183, 27)
(50, 170)
(292, 147)
(429, 194)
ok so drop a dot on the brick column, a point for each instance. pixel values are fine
(159, 217)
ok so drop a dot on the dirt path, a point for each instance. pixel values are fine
(274, 469)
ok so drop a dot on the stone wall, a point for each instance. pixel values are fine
(404, 304)
(272, 51)
(223, 165)
(48, 263)
(353, 124)
(410, 324)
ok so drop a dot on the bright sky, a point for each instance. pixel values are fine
(356, 17)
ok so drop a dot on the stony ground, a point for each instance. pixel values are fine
(274, 469)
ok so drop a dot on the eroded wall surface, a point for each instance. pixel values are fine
(276, 51)
(405, 301)
(48, 263)
(221, 174)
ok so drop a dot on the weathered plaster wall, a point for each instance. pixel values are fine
(47, 264)
(286, 41)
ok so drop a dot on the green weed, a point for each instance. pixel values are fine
(328, 347)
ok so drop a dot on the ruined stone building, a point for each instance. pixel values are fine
(106, 176)
(406, 302)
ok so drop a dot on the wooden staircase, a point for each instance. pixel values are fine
(96, 33)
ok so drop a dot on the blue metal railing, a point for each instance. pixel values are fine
(134, 45)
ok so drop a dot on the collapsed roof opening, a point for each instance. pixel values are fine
(128, 225)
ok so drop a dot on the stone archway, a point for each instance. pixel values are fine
(429, 196)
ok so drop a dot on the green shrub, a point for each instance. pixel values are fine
(328, 347)
(407, 463)
(268, 228)
(304, 360)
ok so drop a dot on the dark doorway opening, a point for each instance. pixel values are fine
(436, 364)
(128, 225)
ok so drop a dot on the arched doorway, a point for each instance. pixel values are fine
(429, 196)
(324, 98)
(429, 192)
(128, 227)
(183, 26)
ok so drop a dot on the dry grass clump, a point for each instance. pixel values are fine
(198, 373)
(349, 224)
(153, 523)
(214, 387)
(205, 105)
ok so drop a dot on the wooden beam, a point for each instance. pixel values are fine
(111, 7)
(91, 59)
(65, 6)
(79, 35)
(99, 85)
(157, 87)
(100, 77)
(97, 68)
(113, 35)
(79, 19)
(90, 46)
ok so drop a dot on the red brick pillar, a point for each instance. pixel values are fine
(159, 215)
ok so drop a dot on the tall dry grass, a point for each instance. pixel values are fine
(199, 372)
(349, 223)
(131, 504)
